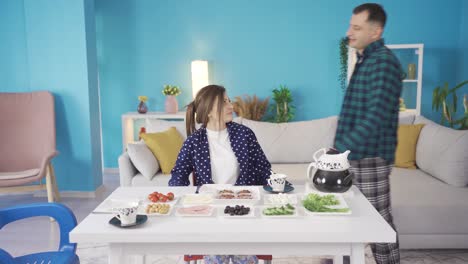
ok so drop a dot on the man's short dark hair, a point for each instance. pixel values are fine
(376, 13)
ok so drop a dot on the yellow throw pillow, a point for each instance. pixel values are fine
(405, 156)
(165, 147)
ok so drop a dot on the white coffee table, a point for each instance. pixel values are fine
(304, 235)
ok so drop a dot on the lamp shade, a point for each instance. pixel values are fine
(199, 76)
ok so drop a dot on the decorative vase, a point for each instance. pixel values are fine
(171, 104)
(411, 71)
(142, 108)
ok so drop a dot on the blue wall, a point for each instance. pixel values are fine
(14, 72)
(463, 46)
(252, 47)
(462, 73)
(52, 36)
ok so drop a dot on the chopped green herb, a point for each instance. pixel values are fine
(319, 203)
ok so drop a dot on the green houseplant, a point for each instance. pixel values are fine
(446, 99)
(283, 110)
(343, 62)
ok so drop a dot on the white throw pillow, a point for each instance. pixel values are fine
(143, 159)
(293, 142)
(158, 125)
(443, 152)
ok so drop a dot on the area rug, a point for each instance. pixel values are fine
(98, 254)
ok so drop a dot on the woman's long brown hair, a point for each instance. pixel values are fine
(199, 109)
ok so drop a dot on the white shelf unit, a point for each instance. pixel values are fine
(128, 122)
(418, 51)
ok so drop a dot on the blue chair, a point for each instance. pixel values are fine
(66, 220)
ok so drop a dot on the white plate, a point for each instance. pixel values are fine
(210, 213)
(213, 187)
(107, 205)
(278, 216)
(249, 215)
(142, 210)
(273, 199)
(339, 197)
(197, 198)
(254, 190)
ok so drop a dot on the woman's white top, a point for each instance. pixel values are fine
(224, 164)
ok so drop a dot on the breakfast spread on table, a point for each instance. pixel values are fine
(243, 202)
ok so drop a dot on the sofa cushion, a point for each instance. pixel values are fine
(158, 125)
(165, 146)
(405, 156)
(422, 204)
(159, 179)
(442, 152)
(143, 159)
(293, 142)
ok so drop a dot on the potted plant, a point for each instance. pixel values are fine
(283, 110)
(446, 99)
(171, 91)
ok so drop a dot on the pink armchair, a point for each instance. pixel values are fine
(27, 143)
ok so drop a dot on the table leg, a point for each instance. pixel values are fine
(115, 254)
(338, 259)
(357, 254)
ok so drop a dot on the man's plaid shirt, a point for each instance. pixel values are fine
(368, 120)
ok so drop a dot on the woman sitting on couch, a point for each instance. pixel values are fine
(221, 152)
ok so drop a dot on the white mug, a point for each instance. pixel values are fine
(126, 214)
(277, 182)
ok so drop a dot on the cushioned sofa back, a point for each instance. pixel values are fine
(443, 152)
(154, 125)
(293, 142)
(157, 125)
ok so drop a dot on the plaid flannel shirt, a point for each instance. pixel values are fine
(368, 121)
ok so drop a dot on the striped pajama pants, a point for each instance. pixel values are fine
(371, 176)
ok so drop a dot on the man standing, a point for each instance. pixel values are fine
(368, 120)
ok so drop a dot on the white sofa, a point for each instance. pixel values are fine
(429, 204)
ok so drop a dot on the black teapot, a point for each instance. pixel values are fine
(330, 172)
